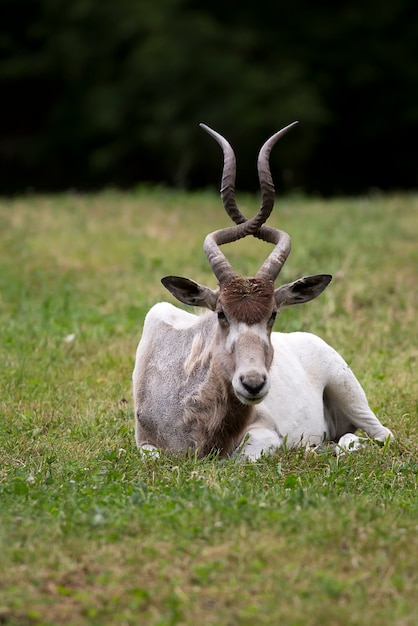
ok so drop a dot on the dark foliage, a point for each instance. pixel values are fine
(96, 92)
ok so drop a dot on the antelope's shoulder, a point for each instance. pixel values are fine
(168, 315)
(309, 349)
(166, 341)
(300, 341)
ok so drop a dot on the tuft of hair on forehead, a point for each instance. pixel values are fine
(248, 300)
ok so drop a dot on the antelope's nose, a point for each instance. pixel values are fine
(253, 383)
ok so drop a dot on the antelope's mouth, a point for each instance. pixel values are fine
(251, 400)
(247, 397)
(251, 387)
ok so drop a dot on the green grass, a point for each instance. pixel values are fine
(90, 532)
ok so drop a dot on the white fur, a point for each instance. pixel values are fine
(313, 396)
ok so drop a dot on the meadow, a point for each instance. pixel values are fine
(91, 533)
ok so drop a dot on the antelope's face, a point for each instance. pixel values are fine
(246, 310)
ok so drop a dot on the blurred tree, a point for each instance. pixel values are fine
(100, 93)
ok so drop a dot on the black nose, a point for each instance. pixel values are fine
(253, 384)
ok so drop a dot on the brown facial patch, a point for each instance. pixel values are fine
(248, 300)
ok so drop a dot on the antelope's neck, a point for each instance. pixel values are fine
(217, 420)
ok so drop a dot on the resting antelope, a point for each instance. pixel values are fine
(223, 381)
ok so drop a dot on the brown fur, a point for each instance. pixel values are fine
(248, 300)
(216, 419)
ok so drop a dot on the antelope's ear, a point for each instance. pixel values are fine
(191, 293)
(302, 290)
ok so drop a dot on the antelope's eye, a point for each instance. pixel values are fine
(222, 318)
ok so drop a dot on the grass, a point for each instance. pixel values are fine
(90, 532)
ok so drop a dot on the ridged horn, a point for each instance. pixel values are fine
(228, 177)
(244, 226)
(276, 259)
(264, 174)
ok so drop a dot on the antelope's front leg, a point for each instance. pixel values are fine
(258, 441)
(148, 450)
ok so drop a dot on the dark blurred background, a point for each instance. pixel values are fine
(109, 93)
